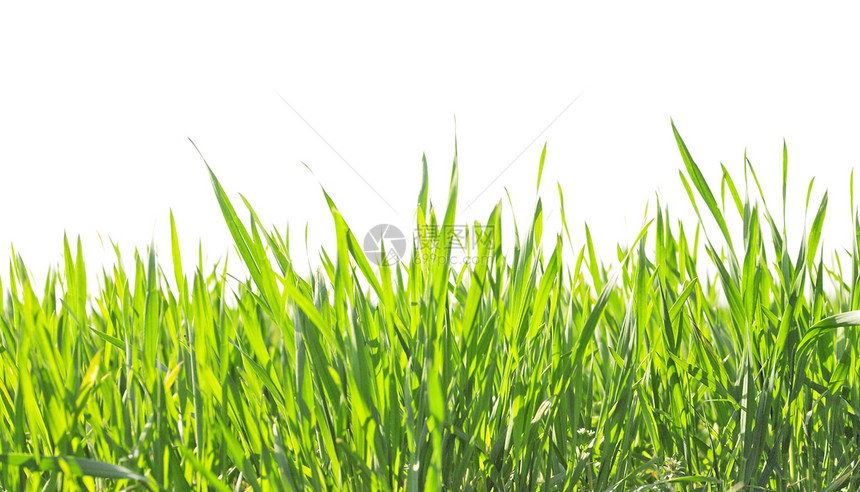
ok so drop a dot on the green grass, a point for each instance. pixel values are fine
(527, 371)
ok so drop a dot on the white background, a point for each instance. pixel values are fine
(98, 100)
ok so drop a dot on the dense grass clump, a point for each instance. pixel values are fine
(509, 372)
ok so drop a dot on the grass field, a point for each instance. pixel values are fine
(515, 371)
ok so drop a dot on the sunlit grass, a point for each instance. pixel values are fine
(511, 372)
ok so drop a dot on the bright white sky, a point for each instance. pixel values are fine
(97, 103)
